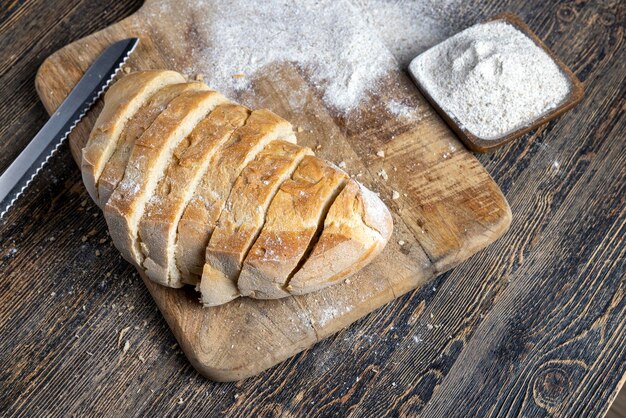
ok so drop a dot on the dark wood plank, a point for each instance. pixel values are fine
(535, 324)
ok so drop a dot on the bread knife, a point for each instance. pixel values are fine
(31, 160)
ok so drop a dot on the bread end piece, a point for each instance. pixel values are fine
(121, 100)
(356, 229)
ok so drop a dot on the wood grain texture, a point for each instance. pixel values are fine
(449, 207)
(532, 311)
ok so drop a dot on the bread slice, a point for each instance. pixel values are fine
(242, 219)
(121, 102)
(135, 127)
(203, 211)
(158, 226)
(356, 229)
(293, 219)
(147, 163)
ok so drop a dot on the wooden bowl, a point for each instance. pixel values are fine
(483, 145)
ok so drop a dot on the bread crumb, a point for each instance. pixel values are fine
(122, 333)
(342, 164)
(126, 70)
(126, 347)
(239, 75)
(199, 77)
(348, 281)
(401, 243)
(97, 253)
(83, 238)
(395, 195)
(142, 359)
(429, 326)
(102, 241)
(380, 153)
(51, 239)
(180, 401)
(318, 147)
(300, 129)
(383, 174)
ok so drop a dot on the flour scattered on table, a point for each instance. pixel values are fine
(401, 110)
(410, 27)
(491, 78)
(328, 39)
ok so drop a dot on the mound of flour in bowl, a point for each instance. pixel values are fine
(491, 79)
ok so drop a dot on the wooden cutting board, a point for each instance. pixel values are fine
(449, 208)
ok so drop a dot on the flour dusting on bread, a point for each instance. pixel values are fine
(208, 192)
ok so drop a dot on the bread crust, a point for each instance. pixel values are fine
(147, 164)
(204, 208)
(191, 159)
(114, 169)
(192, 185)
(121, 102)
(293, 219)
(356, 229)
(241, 220)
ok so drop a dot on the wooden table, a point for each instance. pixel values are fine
(534, 325)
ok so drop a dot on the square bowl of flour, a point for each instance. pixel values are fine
(495, 81)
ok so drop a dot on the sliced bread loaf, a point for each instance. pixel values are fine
(293, 219)
(242, 218)
(121, 102)
(191, 158)
(147, 164)
(135, 127)
(196, 187)
(204, 208)
(356, 229)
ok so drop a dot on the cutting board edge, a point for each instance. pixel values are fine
(494, 232)
(236, 369)
(124, 29)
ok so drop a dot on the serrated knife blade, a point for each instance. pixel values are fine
(31, 160)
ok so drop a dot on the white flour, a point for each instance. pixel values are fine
(328, 39)
(402, 110)
(491, 78)
(410, 27)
